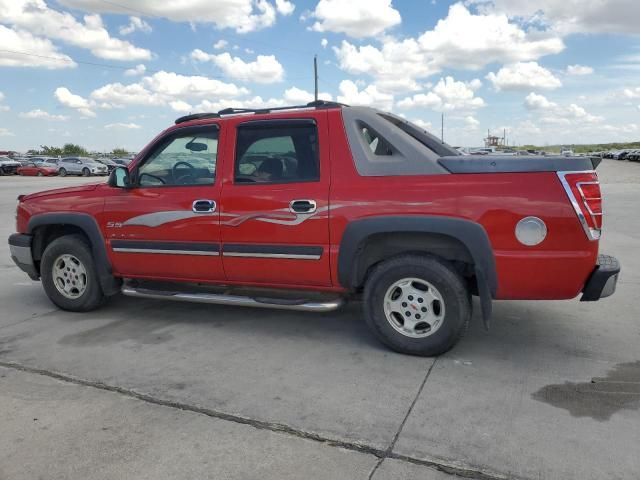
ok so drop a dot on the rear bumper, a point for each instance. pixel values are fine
(603, 279)
(20, 249)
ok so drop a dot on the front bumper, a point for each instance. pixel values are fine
(603, 279)
(20, 248)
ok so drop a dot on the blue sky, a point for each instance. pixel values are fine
(113, 73)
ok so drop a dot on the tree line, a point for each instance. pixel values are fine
(71, 150)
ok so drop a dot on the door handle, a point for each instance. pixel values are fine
(302, 206)
(204, 206)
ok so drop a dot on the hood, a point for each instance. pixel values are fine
(61, 191)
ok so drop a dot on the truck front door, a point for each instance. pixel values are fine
(166, 225)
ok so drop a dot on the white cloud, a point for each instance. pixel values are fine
(466, 40)
(180, 106)
(631, 92)
(422, 124)
(119, 126)
(462, 41)
(240, 15)
(324, 42)
(573, 16)
(534, 101)
(356, 18)
(552, 113)
(42, 115)
(3, 108)
(447, 95)
(71, 100)
(42, 53)
(523, 75)
(297, 96)
(6, 133)
(158, 90)
(139, 69)
(285, 7)
(579, 70)
(117, 94)
(265, 69)
(36, 17)
(220, 44)
(471, 122)
(135, 24)
(369, 96)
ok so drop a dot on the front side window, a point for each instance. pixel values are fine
(278, 153)
(186, 158)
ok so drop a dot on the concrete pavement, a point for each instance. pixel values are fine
(221, 392)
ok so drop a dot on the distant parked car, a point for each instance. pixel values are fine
(633, 156)
(81, 166)
(111, 165)
(39, 170)
(8, 166)
(122, 161)
(621, 155)
(567, 152)
(46, 160)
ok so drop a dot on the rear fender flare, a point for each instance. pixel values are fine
(471, 234)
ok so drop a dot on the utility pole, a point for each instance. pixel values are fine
(442, 127)
(315, 76)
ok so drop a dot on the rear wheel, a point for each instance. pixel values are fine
(417, 305)
(40, 174)
(69, 275)
(86, 172)
(62, 172)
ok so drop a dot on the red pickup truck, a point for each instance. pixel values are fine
(303, 207)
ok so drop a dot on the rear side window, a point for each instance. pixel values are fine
(277, 152)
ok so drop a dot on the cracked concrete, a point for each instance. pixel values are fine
(219, 392)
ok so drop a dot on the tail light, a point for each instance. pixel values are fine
(583, 189)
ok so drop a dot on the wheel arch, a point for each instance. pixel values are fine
(367, 241)
(47, 227)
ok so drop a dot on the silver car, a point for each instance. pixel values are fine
(81, 166)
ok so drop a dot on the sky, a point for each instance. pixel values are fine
(114, 73)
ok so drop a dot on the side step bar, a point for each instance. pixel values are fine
(220, 299)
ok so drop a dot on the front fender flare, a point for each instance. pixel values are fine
(110, 285)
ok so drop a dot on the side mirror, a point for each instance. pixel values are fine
(119, 178)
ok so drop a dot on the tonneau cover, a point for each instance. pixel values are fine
(515, 164)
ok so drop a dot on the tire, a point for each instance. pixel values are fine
(86, 172)
(442, 294)
(62, 172)
(61, 254)
(40, 174)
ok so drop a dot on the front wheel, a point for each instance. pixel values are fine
(417, 304)
(69, 275)
(40, 174)
(86, 172)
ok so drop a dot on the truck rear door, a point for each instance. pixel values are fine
(274, 208)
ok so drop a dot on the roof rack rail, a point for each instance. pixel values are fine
(196, 116)
(232, 111)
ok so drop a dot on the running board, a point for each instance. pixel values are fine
(220, 299)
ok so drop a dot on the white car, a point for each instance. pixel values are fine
(8, 166)
(81, 166)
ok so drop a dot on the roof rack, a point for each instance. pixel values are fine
(233, 111)
(196, 116)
